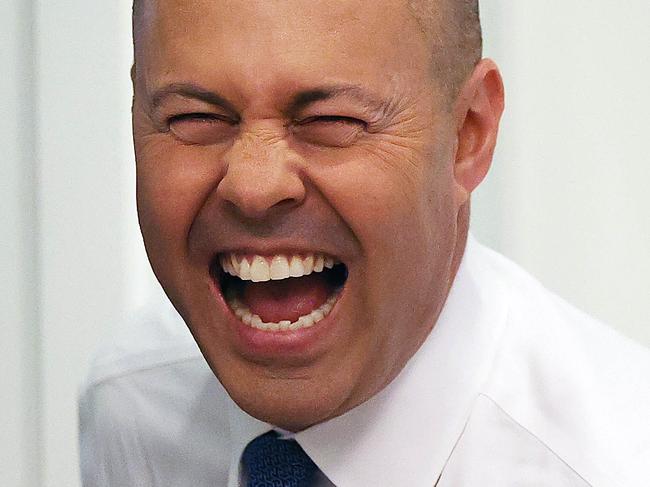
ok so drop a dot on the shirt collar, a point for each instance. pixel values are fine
(243, 429)
(405, 434)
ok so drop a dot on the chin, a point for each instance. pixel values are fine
(290, 404)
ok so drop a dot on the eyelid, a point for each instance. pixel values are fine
(332, 118)
(201, 128)
(201, 115)
(329, 130)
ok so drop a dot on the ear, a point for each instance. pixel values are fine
(477, 112)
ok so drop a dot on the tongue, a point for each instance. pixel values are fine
(288, 299)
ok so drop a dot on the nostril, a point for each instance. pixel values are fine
(285, 204)
(248, 212)
(258, 201)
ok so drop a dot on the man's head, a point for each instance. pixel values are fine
(273, 129)
(451, 27)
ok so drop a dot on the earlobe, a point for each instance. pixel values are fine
(478, 112)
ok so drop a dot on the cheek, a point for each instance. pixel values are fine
(393, 198)
(172, 184)
(400, 207)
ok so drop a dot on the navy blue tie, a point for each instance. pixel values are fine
(273, 462)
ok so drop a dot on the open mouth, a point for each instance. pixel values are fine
(279, 293)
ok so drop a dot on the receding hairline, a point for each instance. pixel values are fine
(452, 27)
(453, 30)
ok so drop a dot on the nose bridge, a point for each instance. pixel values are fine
(261, 172)
(259, 143)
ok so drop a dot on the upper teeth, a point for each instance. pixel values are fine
(258, 268)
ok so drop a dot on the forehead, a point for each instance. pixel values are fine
(251, 41)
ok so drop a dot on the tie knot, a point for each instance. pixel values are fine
(270, 461)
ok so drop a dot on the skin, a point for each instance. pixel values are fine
(379, 176)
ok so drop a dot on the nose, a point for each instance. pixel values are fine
(261, 177)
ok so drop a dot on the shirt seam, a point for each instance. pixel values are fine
(491, 365)
(542, 442)
(510, 290)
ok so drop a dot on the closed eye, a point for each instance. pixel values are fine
(329, 130)
(202, 128)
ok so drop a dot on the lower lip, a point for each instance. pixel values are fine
(302, 344)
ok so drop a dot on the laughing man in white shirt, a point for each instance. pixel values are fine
(304, 175)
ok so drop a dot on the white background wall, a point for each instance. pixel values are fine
(567, 196)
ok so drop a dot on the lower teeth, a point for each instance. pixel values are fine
(307, 321)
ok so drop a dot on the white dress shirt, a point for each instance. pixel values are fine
(513, 387)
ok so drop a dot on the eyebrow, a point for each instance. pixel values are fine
(189, 90)
(298, 102)
(307, 97)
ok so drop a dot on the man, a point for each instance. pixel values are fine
(304, 175)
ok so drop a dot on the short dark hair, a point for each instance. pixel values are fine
(453, 27)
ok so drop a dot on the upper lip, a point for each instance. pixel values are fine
(270, 250)
(285, 253)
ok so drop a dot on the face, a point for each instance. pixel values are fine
(274, 140)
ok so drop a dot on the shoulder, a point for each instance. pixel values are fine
(153, 337)
(574, 383)
(149, 360)
(151, 407)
